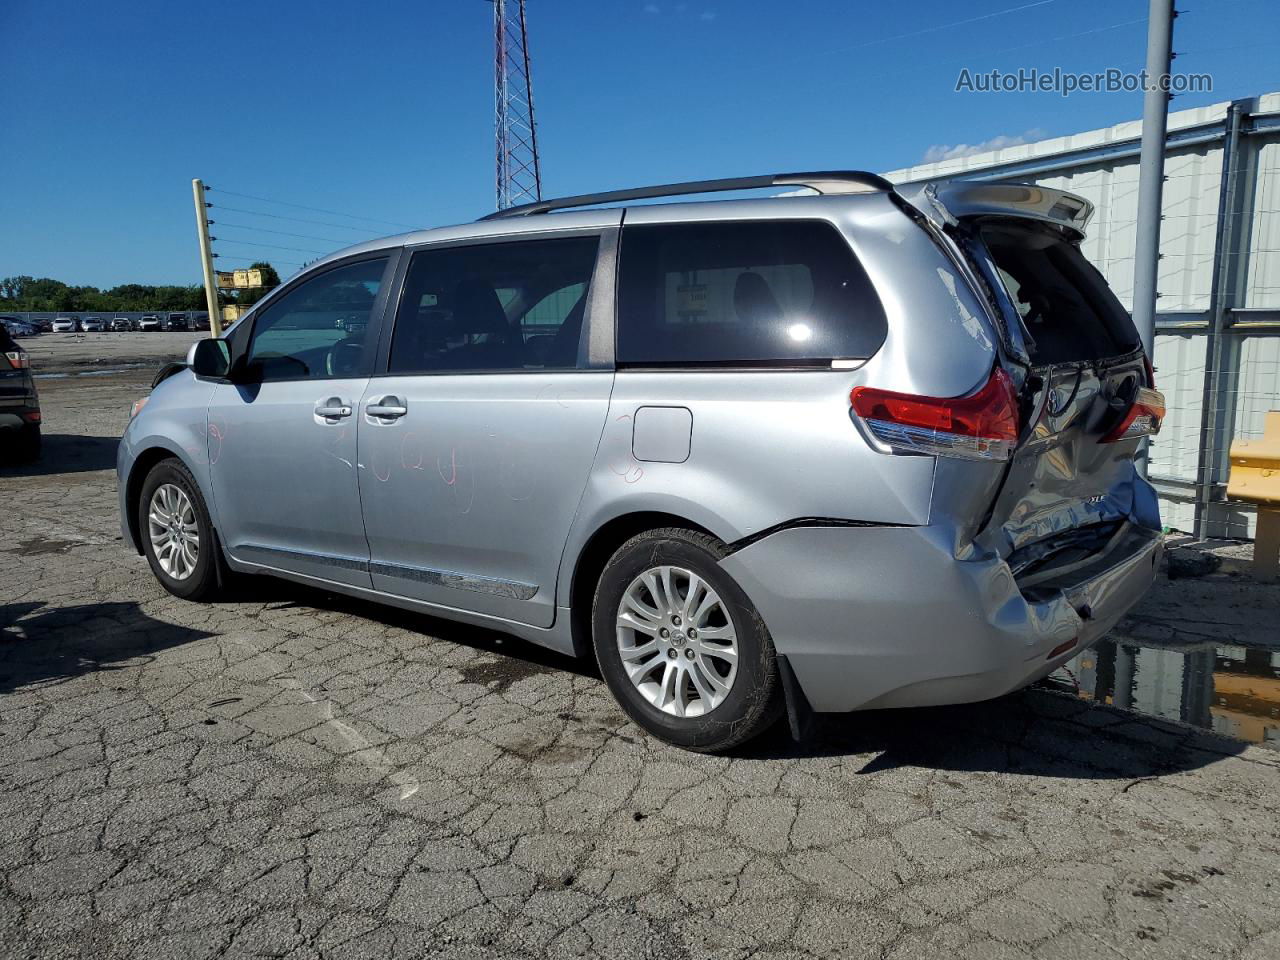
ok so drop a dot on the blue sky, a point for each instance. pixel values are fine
(386, 109)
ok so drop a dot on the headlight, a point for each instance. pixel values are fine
(137, 407)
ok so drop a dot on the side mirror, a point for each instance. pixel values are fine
(210, 359)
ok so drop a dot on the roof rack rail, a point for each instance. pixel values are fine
(823, 181)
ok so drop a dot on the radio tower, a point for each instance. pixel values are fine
(519, 175)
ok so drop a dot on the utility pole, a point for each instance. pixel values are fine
(206, 258)
(1155, 122)
(1155, 118)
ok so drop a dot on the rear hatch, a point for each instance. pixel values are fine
(1070, 495)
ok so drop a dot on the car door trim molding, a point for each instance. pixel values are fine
(452, 578)
(324, 559)
(439, 578)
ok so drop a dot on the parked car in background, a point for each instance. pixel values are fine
(92, 325)
(149, 322)
(870, 448)
(121, 324)
(43, 324)
(18, 327)
(175, 321)
(65, 325)
(19, 403)
(200, 321)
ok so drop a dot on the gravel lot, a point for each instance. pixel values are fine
(299, 775)
(68, 353)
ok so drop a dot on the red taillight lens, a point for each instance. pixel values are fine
(1143, 418)
(18, 360)
(982, 425)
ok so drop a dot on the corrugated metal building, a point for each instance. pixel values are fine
(1218, 326)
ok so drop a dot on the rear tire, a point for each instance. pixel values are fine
(176, 532)
(27, 448)
(682, 648)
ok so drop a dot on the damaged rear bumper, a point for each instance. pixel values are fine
(888, 617)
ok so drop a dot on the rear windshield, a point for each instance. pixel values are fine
(1068, 311)
(743, 293)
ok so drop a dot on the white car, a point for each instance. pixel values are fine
(149, 323)
(93, 324)
(65, 325)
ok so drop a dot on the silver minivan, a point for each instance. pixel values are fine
(855, 449)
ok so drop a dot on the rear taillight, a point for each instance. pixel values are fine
(18, 360)
(1142, 419)
(980, 426)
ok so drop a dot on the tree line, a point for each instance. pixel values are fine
(46, 295)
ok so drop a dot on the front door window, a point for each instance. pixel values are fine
(318, 329)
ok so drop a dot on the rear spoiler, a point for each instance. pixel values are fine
(945, 202)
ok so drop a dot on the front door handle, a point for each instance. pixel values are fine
(333, 409)
(387, 408)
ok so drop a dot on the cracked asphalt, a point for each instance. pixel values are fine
(294, 774)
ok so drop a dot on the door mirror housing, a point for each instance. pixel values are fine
(210, 359)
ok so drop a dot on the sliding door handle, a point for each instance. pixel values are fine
(387, 408)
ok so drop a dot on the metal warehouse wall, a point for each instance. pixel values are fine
(1218, 330)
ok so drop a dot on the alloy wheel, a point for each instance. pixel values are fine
(677, 641)
(174, 531)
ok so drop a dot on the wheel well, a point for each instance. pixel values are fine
(596, 553)
(133, 491)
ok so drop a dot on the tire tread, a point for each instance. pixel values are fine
(766, 704)
(206, 585)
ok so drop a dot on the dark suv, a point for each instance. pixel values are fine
(19, 404)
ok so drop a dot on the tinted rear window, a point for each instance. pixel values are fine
(743, 293)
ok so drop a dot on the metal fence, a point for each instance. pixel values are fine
(1217, 351)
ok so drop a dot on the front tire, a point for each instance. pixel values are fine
(682, 648)
(176, 532)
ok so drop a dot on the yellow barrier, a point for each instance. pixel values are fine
(1255, 477)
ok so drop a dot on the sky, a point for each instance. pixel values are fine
(385, 110)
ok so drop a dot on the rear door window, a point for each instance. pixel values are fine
(743, 293)
(510, 306)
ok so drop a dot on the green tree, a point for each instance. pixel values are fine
(13, 288)
(132, 296)
(48, 295)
